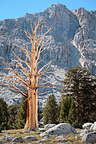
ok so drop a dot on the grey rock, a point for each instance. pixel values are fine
(8, 138)
(62, 128)
(41, 129)
(89, 138)
(47, 126)
(44, 139)
(87, 125)
(93, 127)
(83, 132)
(30, 138)
(18, 139)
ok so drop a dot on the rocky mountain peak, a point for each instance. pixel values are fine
(73, 39)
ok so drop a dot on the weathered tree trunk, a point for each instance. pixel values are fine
(32, 110)
(32, 104)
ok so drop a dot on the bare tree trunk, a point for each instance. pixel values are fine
(32, 110)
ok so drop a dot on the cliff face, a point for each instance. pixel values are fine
(73, 39)
(85, 39)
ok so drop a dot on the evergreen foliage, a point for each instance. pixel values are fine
(50, 111)
(3, 115)
(73, 117)
(12, 118)
(64, 108)
(21, 115)
(40, 114)
(81, 86)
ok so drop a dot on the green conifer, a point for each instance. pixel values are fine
(64, 108)
(3, 115)
(50, 111)
(74, 117)
(12, 116)
(21, 115)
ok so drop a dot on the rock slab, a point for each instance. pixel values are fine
(62, 128)
(89, 138)
(93, 127)
(47, 126)
(87, 125)
(18, 139)
(30, 138)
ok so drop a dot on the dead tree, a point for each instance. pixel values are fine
(32, 76)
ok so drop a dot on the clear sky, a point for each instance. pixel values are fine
(18, 8)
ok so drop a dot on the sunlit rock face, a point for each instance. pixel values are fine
(73, 42)
(85, 39)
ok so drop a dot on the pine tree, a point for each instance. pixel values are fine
(3, 115)
(74, 117)
(12, 116)
(21, 115)
(50, 111)
(81, 86)
(64, 108)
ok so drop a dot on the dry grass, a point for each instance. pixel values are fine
(71, 138)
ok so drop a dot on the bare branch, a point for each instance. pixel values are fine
(20, 60)
(43, 93)
(43, 36)
(29, 36)
(39, 51)
(47, 82)
(36, 29)
(45, 72)
(18, 76)
(9, 86)
(13, 79)
(24, 71)
(25, 52)
(53, 87)
(46, 65)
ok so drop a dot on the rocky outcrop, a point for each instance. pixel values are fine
(47, 126)
(88, 133)
(18, 140)
(89, 138)
(85, 39)
(93, 127)
(30, 138)
(87, 125)
(59, 129)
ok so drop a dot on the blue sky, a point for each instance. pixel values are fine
(18, 8)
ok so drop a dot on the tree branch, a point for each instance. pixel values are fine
(18, 76)
(46, 65)
(9, 86)
(25, 52)
(20, 60)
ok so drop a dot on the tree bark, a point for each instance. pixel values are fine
(32, 110)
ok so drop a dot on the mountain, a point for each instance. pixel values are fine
(73, 41)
